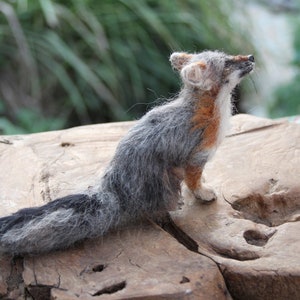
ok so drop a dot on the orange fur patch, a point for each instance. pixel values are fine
(207, 117)
(182, 59)
(241, 58)
(192, 177)
(201, 64)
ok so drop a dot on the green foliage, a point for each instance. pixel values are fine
(287, 97)
(73, 62)
(287, 100)
(30, 121)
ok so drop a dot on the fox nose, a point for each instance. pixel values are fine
(251, 58)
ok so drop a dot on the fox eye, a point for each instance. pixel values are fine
(228, 63)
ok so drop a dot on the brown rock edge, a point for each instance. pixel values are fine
(243, 246)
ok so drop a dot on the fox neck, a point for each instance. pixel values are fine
(212, 112)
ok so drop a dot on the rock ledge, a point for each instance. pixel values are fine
(243, 246)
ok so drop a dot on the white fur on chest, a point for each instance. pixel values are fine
(224, 107)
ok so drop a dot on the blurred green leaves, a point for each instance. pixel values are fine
(287, 97)
(72, 62)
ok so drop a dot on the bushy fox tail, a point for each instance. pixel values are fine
(59, 223)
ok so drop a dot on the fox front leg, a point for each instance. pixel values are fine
(193, 176)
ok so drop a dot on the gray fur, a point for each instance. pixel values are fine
(141, 178)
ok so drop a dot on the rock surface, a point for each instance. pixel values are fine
(245, 245)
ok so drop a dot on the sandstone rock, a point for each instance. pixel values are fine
(250, 233)
(38, 168)
(142, 261)
(252, 230)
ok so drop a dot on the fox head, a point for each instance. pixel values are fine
(210, 69)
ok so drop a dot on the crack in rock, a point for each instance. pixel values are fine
(38, 292)
(15, 280)
(111, 289)
(168, 225)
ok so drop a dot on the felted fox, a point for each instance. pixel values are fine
(171, 143)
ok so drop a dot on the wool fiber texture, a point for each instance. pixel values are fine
(145, 175)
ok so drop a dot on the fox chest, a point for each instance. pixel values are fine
(212, 116)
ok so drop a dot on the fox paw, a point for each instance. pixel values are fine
(205, 195)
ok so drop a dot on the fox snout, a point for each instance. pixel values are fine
(251, 58)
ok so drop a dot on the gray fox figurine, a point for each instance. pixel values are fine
(171, 143)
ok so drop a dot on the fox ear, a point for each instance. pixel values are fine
(179, 59)
(196, 75)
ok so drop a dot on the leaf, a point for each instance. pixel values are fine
(86, 73)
